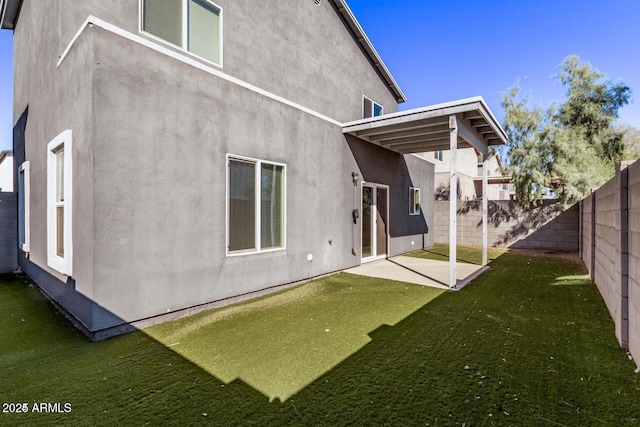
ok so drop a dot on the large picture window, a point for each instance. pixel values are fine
(193, 25)
(255, 205)
(59, 209)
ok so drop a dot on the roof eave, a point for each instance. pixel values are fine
(367, 46)
(9, 10)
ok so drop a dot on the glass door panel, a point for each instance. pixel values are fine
(367, 222)
(381, 221)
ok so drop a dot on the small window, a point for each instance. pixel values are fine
(438, 155)
(256, 205)
(370, 108)
(59, 208)
(193, 25)
(24, 206)
(414, 201)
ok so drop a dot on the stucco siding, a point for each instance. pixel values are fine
(160, 183)
(293, 49)
(58, 99)
(151, 135)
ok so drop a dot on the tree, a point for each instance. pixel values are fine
(631, 141)
(567, 149)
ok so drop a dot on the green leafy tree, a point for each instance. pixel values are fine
(631, 140)
(567, 149)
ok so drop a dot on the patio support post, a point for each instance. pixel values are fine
(453, 199)
(485, 208)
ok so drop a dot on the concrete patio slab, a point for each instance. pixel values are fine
(420, 271)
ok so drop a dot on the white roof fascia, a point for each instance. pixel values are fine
(445, 108)
(9, 13)
(367, 46)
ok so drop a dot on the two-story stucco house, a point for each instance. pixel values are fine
(177, 154)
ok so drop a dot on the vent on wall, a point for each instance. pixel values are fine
(317, 2)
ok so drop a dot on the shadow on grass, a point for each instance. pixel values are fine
(280, 343)
(509, 350)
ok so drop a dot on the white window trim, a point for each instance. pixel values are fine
(24, 169)
(58, 263)
(258, 249)
(412, 206)
(185, 31)
(373, 104)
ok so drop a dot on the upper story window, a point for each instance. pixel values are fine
(438, 155)
(370, 108)
(192, 25)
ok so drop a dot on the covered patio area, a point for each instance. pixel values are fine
(420, 271)
(448, 126)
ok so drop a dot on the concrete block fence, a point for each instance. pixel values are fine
(8, 232)
(541, 227)
(610, 249)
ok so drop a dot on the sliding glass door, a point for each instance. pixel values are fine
(375, 224)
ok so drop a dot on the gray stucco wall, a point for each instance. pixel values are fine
(159, 185)
(294, 49)
(541, 227)
(151, 135)
(8, 232)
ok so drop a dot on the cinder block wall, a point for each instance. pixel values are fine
(541, 227)
(8, 232)
(607, 248)
(610, 249)
(634, 261)
(586, 231)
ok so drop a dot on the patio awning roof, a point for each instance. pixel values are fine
(498, 179)
(428, 128)
(449, 126)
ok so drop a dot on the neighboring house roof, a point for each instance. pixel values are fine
(497, 157)
(358, 33)
(9, 10)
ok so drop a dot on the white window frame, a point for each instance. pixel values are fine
(439, 155)
(24, 194)
(257, 250)
(64, 264)
(373, 107)
(185, 32)
(414, 205)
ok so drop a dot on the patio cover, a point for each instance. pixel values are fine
(448, 126)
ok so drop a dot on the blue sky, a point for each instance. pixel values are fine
(442, 50)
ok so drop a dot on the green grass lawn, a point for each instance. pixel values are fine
(281, 343)
(529, 343)
(468, 254)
